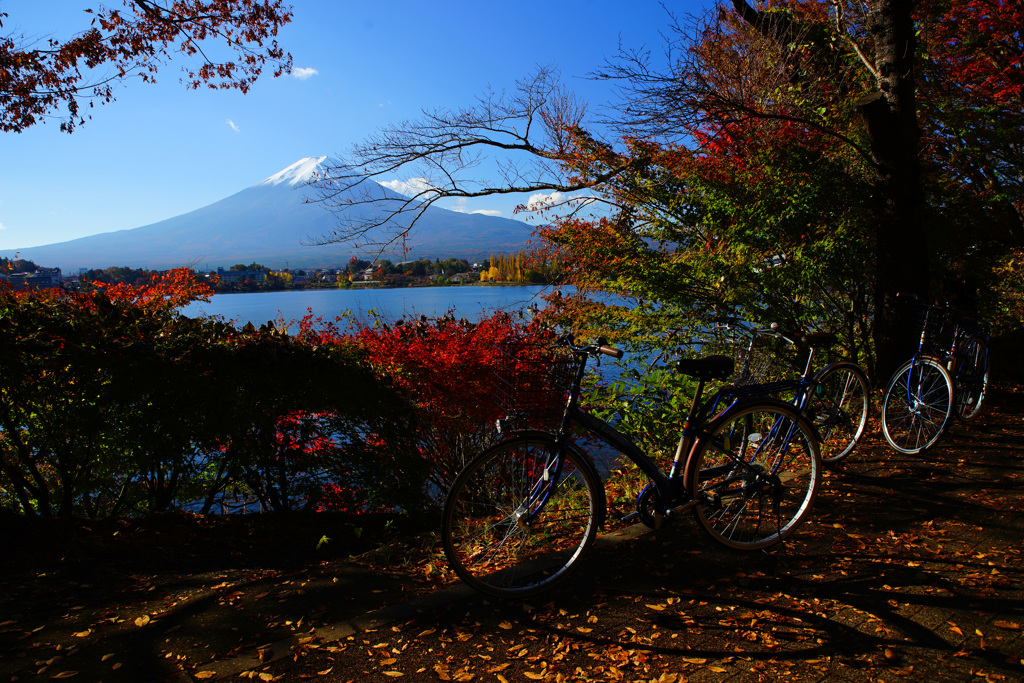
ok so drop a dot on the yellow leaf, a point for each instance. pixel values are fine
(107, 656)
(203, 675)
(388, 662)
(82, 634)
(142, 621)
(533, 676)
(956, 630)
(694, 660)
(717, 669)
(502, 679)
(656, 607)
(65, 674)
(583, 629)
(325, 672)
(505, 625)
(1009, 625)
(393, 674)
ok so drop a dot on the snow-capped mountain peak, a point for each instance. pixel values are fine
(302, 171)
(274, 223)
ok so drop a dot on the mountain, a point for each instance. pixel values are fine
(272, 223)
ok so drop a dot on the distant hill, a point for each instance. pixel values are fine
(268, 223)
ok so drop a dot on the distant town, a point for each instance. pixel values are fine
(516, 268)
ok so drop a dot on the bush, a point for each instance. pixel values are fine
(113, 404)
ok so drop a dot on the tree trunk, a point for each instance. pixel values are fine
(890, 116)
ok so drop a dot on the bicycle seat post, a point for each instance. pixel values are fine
(687, 430)
(809, 368)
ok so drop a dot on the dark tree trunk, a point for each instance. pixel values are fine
(890, 116)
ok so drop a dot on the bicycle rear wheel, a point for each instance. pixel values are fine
(917, 405)
(972, 379)
(840, 406)
(515, 523)
(755, 475)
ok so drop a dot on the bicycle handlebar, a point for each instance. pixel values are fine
(813, 339)
(600, 346)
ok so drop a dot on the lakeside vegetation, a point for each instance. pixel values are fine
(519, 267)
(113, 404)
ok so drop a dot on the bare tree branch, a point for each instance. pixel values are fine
(505, 144)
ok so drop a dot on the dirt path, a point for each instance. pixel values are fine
(911, 569)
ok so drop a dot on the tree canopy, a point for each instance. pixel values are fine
(63, 77)
(819, 164)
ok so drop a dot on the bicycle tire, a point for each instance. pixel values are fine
(917, 405)
(840, 407)
(972, 379)
(755, 474)
(485, 533)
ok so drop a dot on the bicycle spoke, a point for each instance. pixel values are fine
(513, 525)
(756, 476)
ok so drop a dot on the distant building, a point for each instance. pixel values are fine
(241, 275)
(42, 278)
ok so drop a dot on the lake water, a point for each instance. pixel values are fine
(465, 301)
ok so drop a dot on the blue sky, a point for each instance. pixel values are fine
(161, 150)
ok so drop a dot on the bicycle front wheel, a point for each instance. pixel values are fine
(972, 379)
(520, 517)
(755, 475)
(917, 405)
(840, 405)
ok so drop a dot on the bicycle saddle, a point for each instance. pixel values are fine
(707, 368)
(819, 340)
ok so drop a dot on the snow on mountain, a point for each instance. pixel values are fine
(274, 223)
(302, 171)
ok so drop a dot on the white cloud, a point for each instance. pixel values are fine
(304, 72)
(233, 126)
(461, 205)
(2, 226)
(541, 200)
(410, 188)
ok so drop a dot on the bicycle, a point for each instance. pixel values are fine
(969, 362)
(941, 379)
(836, 399)
(519, 518)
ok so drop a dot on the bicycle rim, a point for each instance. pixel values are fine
(917, 406)
(972, 380)
(840, 406)
(755, 476)
(512, 526)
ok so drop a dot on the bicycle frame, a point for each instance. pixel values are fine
(670, 487)
(802, 388)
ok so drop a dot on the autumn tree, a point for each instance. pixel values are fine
(790, 162)
(53, 77)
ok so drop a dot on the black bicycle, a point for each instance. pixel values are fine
(947, 376)
(522, 514)
(836, 398)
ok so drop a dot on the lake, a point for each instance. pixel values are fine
(465, 301)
